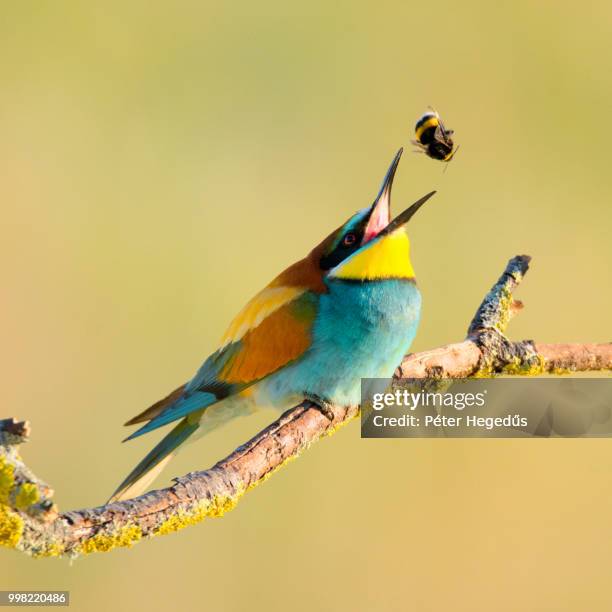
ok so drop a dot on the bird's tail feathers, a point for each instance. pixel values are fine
(158, 407)
(185, 405)
(149, 468)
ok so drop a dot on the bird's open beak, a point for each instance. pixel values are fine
(380, 213)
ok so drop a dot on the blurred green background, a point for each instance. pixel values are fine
(160, 162)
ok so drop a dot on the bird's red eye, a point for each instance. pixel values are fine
(349, 239)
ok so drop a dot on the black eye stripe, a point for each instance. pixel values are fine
(348, 244)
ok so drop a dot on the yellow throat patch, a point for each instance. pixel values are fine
(387, 257)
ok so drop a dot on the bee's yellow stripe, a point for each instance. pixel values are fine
(431, 122)
(450, 155)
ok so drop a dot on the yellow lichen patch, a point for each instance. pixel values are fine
(484, 372)
(214, 508)
(563, 371)
(7, 480)
(11, 527)
(517, 368)
(220, 505)
(505, 309)
(27, 494)
(272, 472)
(11, 524)
(180, 520)
(52, 550)
(126, 536)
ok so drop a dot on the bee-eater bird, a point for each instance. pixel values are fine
(348, 310)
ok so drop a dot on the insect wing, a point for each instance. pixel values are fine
(441, 133)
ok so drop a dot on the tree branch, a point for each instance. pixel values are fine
(30, 522)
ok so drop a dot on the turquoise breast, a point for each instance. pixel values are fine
(362, 330)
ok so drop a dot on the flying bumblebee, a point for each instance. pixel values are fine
(432, 138)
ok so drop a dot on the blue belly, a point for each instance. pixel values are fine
(362, 330)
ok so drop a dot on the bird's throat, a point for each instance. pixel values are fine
(387, 257)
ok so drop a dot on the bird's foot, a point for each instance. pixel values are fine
(322, 405)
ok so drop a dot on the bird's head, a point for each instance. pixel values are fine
(371, 246)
